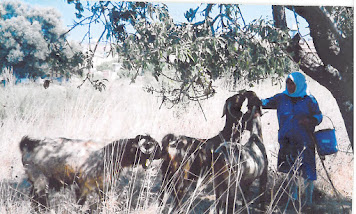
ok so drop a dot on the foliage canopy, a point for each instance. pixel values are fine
(187, 57)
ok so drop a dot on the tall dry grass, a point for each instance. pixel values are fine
(124, 110)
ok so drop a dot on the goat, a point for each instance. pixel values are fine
(186, 159)
(53, 163)
(236, 166)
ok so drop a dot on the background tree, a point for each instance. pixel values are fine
(332, 31)
(32, 41)
(221, 43)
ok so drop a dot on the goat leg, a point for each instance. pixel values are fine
(40, 200)
(80, 195)
(263, 189)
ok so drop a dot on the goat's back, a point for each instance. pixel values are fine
(249, 160)
(58, 158)
(185, 153)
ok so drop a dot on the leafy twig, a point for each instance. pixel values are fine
(201, 108)
(97, 84)
(243, 20)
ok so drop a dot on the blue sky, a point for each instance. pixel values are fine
(177, 10)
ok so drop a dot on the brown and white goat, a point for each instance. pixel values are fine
(186, 159)
(237, 166)
(61, 162)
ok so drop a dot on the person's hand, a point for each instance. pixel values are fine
(304, 121)
(307, 122)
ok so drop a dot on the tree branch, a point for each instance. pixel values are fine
(279, 16)
(331, 47)
(243, 20)
(339, 84)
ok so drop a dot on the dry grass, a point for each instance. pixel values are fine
(124, 110)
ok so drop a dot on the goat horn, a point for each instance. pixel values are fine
(142, 148)
(151, 149)
(141, 141)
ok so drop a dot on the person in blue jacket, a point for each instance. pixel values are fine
(298, 113)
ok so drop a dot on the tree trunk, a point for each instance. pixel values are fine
(279, 16)
(340, 86)
(332, 49)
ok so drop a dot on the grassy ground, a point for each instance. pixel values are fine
(124, 110)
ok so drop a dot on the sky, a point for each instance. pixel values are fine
(176, 10)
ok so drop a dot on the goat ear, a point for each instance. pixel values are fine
(167, 139)
(138, 137)
(230, 101)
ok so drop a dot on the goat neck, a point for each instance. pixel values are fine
(253, 123)
(232, 129)
(232, 111)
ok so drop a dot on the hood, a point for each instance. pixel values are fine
(301, 85)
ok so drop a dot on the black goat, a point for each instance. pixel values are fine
(237, 166)
(186, 159)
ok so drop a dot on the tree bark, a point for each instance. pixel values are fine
(340, 85)
(279, 16)
(332, 49)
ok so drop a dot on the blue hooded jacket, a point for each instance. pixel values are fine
(293, 137)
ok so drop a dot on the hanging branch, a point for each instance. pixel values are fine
(97, 43)
(97, 84)
(201, 108)
(305, 41)
(243, 20)
(74, 26)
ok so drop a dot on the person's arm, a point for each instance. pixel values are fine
(315, 116)
(270, 103)
(315, 110)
